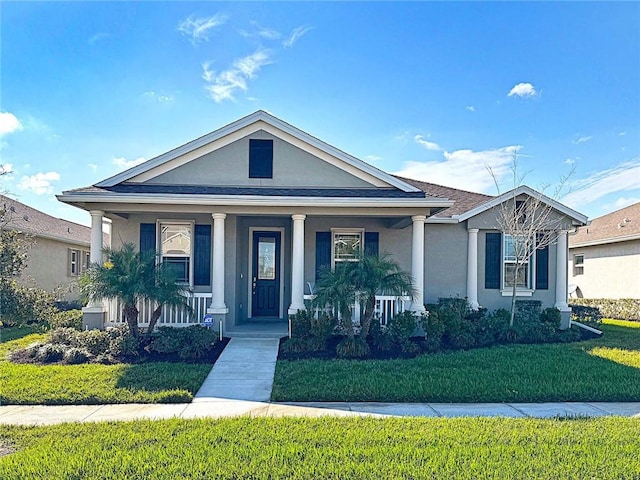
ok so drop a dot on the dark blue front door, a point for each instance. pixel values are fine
(265, 280)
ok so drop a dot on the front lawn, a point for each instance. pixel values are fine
(604, 369)
(299, 448)
(92, 383)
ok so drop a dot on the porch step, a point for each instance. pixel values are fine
(248, 334)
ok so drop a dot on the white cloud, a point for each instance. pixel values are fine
(569, 161)
(523, 90)
(471, 108)
(465, 169)
(9, 123)
(197, 29)
(624, 177)
(419, 139)
(97, 37)
(40, 183)
(268, 33)
(224, 85)
(158, 98)
(93, 167)
(625, 202)
(372, 158)
(295, 35)
(622, 134)
(124, 163)
(582, 139)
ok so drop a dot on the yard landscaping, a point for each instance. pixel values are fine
(299, 448)
(156, 382)
(603, 369)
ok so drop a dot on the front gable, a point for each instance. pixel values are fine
(221, 158)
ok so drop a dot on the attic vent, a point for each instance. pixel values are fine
(68, 229)
(12, 209)
(25, 218)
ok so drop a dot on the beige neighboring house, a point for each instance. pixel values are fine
(60, 249)
(251, 213)
(604, 259)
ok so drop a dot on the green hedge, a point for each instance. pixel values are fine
(622, 309)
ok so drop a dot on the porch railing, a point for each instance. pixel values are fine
(171, 316)
(387, 306)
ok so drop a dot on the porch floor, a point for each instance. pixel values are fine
(258, 330)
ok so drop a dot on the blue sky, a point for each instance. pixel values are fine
(434, 91)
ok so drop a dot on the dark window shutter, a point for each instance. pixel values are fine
(542, 268)
(492, 260)
(147, 237)
(202, 255)
(371, 243)
(260, 158)
(323, 251)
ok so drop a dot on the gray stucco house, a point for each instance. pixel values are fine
(604, 260)
(250, 213)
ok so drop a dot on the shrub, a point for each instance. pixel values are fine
(585, 314)
(94, 341)
(433, 328)
(528, 310)
(458, 330)
(64, 336)
(122, 344)
(550, 315)
(67, 319)
(74, 356)
(402, 327)
(22, 304)
(355, 347)
(303, 345)
(620, 308)
(49, 353)
(300, 324)
(322, 327)
(188, 343)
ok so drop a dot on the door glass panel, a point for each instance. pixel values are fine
(266, 258)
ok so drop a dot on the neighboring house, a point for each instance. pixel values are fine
(604, 260)
(59, 250)
(265, 206)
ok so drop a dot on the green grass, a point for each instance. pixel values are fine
(327, 448)
(92, 383)
(604, 369)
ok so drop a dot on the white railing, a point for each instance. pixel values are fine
(171, 316)
(387, 306)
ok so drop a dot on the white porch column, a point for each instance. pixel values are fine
(297, 265)
(417, 262)
(93, 315)
(95, 254)
(561, 280)
(472, 268)
(217, 302)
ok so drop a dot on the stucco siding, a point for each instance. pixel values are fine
(445, 261)
(229, 166)
(610, 271)
(48, 267)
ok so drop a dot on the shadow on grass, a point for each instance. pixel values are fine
(14, 333)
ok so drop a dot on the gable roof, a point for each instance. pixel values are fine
(258, 120)
(27, 219)
(618, 226)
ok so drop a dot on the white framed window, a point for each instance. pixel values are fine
(86, 260)
(347, 245)
(515, 251)
(74, 262)
(176, 247)
(578, 264)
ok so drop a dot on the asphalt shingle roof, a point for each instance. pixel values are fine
(613, 226)
(27, 219)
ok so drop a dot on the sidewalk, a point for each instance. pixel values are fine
(217, 407)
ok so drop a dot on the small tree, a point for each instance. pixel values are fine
(132, 276)
(532, 223)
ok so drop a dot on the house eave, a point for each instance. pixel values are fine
(605, 241)
(251, 200)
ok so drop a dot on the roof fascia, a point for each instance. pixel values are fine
(243, 123)
(604, 241)
(524, 189)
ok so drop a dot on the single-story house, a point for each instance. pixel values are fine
(604, 256)
(58, 252)
(264, 206)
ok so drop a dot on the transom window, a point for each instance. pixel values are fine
(176, 248)
(515, 248)
(347, 246)
(578, 264)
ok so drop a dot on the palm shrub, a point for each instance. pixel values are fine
(132, 276)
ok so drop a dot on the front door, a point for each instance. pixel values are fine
(265, 279)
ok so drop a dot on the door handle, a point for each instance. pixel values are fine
(253, 285)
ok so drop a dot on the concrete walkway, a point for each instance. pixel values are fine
(244, 371)
(219, 408)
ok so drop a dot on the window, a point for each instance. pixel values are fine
(578, 264)
(175, 248)
(260, 158)
(347, 246)
(514, 249)
(79, 261)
